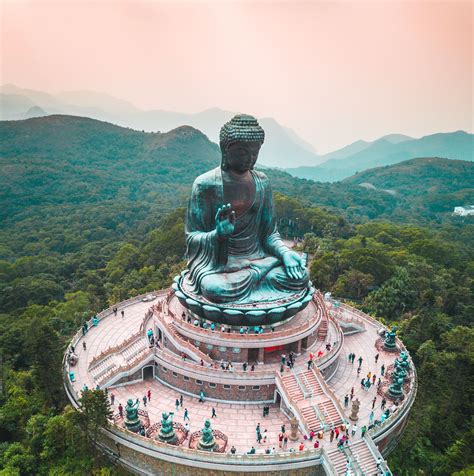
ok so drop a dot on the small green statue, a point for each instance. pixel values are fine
(132, 422)
(402, 367)
(207, 441)
(390, 340)
(166, 433)
(395, 390)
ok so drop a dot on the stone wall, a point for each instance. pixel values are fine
(255, 393)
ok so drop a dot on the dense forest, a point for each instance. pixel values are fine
(93, 214)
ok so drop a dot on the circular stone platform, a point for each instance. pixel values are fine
(118, 357)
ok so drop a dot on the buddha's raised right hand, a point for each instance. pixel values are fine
(225, 222)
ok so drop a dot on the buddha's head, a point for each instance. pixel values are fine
(240, 142)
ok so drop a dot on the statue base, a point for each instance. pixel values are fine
(133, 425)
(390, 348)
(169, 438)
(395, 393)
(207, 446)
(242, 314)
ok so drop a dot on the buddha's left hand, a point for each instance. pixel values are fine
(293, 264)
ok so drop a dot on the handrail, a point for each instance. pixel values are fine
(290, 403)
(376, 454)
(178, 341)
(328, 391)
(200, 371)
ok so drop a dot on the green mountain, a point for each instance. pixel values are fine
(58, 172)
(454, 145)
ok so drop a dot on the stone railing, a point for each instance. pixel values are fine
(114, 349)
(178, 341)
(125, 369)
(328, 391)
(290, 403)
(199, 333)
(221, 461)
(200, 372)
(376, 455)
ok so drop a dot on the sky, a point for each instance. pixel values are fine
(334, 72)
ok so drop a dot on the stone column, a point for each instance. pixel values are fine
(261, 356)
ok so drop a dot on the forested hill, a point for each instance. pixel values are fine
(81, 164)
(75, 160)
(419, 176)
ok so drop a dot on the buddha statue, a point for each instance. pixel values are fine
(132, 420)
(207, 441)
(167, 433)
(235, 253)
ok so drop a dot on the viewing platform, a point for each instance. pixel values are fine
(238, 374)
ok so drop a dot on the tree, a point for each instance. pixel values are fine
(353, 284)
(94, 414)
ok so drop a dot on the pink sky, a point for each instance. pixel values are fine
(333, 71)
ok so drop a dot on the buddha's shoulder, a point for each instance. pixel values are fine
(261, 176)
(208, 179)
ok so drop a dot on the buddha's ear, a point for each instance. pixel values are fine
(224, 150)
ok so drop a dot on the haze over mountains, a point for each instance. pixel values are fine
(283, 147)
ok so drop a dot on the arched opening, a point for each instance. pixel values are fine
(148, 372)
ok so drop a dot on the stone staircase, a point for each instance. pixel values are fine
(310, 400)
(363, 462)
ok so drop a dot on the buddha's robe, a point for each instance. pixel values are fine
(247, 266)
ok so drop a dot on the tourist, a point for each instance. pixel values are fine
(186, 427)
(149, 395)
(142, 431)
(379, 383)
(252, 451)
(265, 436)
(183, 316)
(283, 428)
(373, 402)
(358, 371)
(176, 404)
(331, 435)
(233, 450)
(259, 437)
(123, 313)
(301, 447)
(384, 402)
(352, 393)
(213, 327)
(252, 368)
(181, 400)
(367, 384)
(376, 358)
(374, 378)
(202, 362)
(336, 432)
(120, 409)
(280, 439)
(112, 398)
(84, 345)
(282, 368)
(72, 376)
(354, 429)
(285, 442)
(95, 321)
(312, 434)
(214, 414)
(115, 311)
(310, 363)
(346, 400)
(144, 400)
(244, 366)
(316, 445)
(371, 417)
(267, 451)
(362, 384)
(360, 360)
(242, 330)
(363, 430)
(283, 359)
(382, 370)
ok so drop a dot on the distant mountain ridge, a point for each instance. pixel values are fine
(452, 145)
(282, 145)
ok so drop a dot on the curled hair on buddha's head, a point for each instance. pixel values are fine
(241, 128)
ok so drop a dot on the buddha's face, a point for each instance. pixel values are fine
(241, 156)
